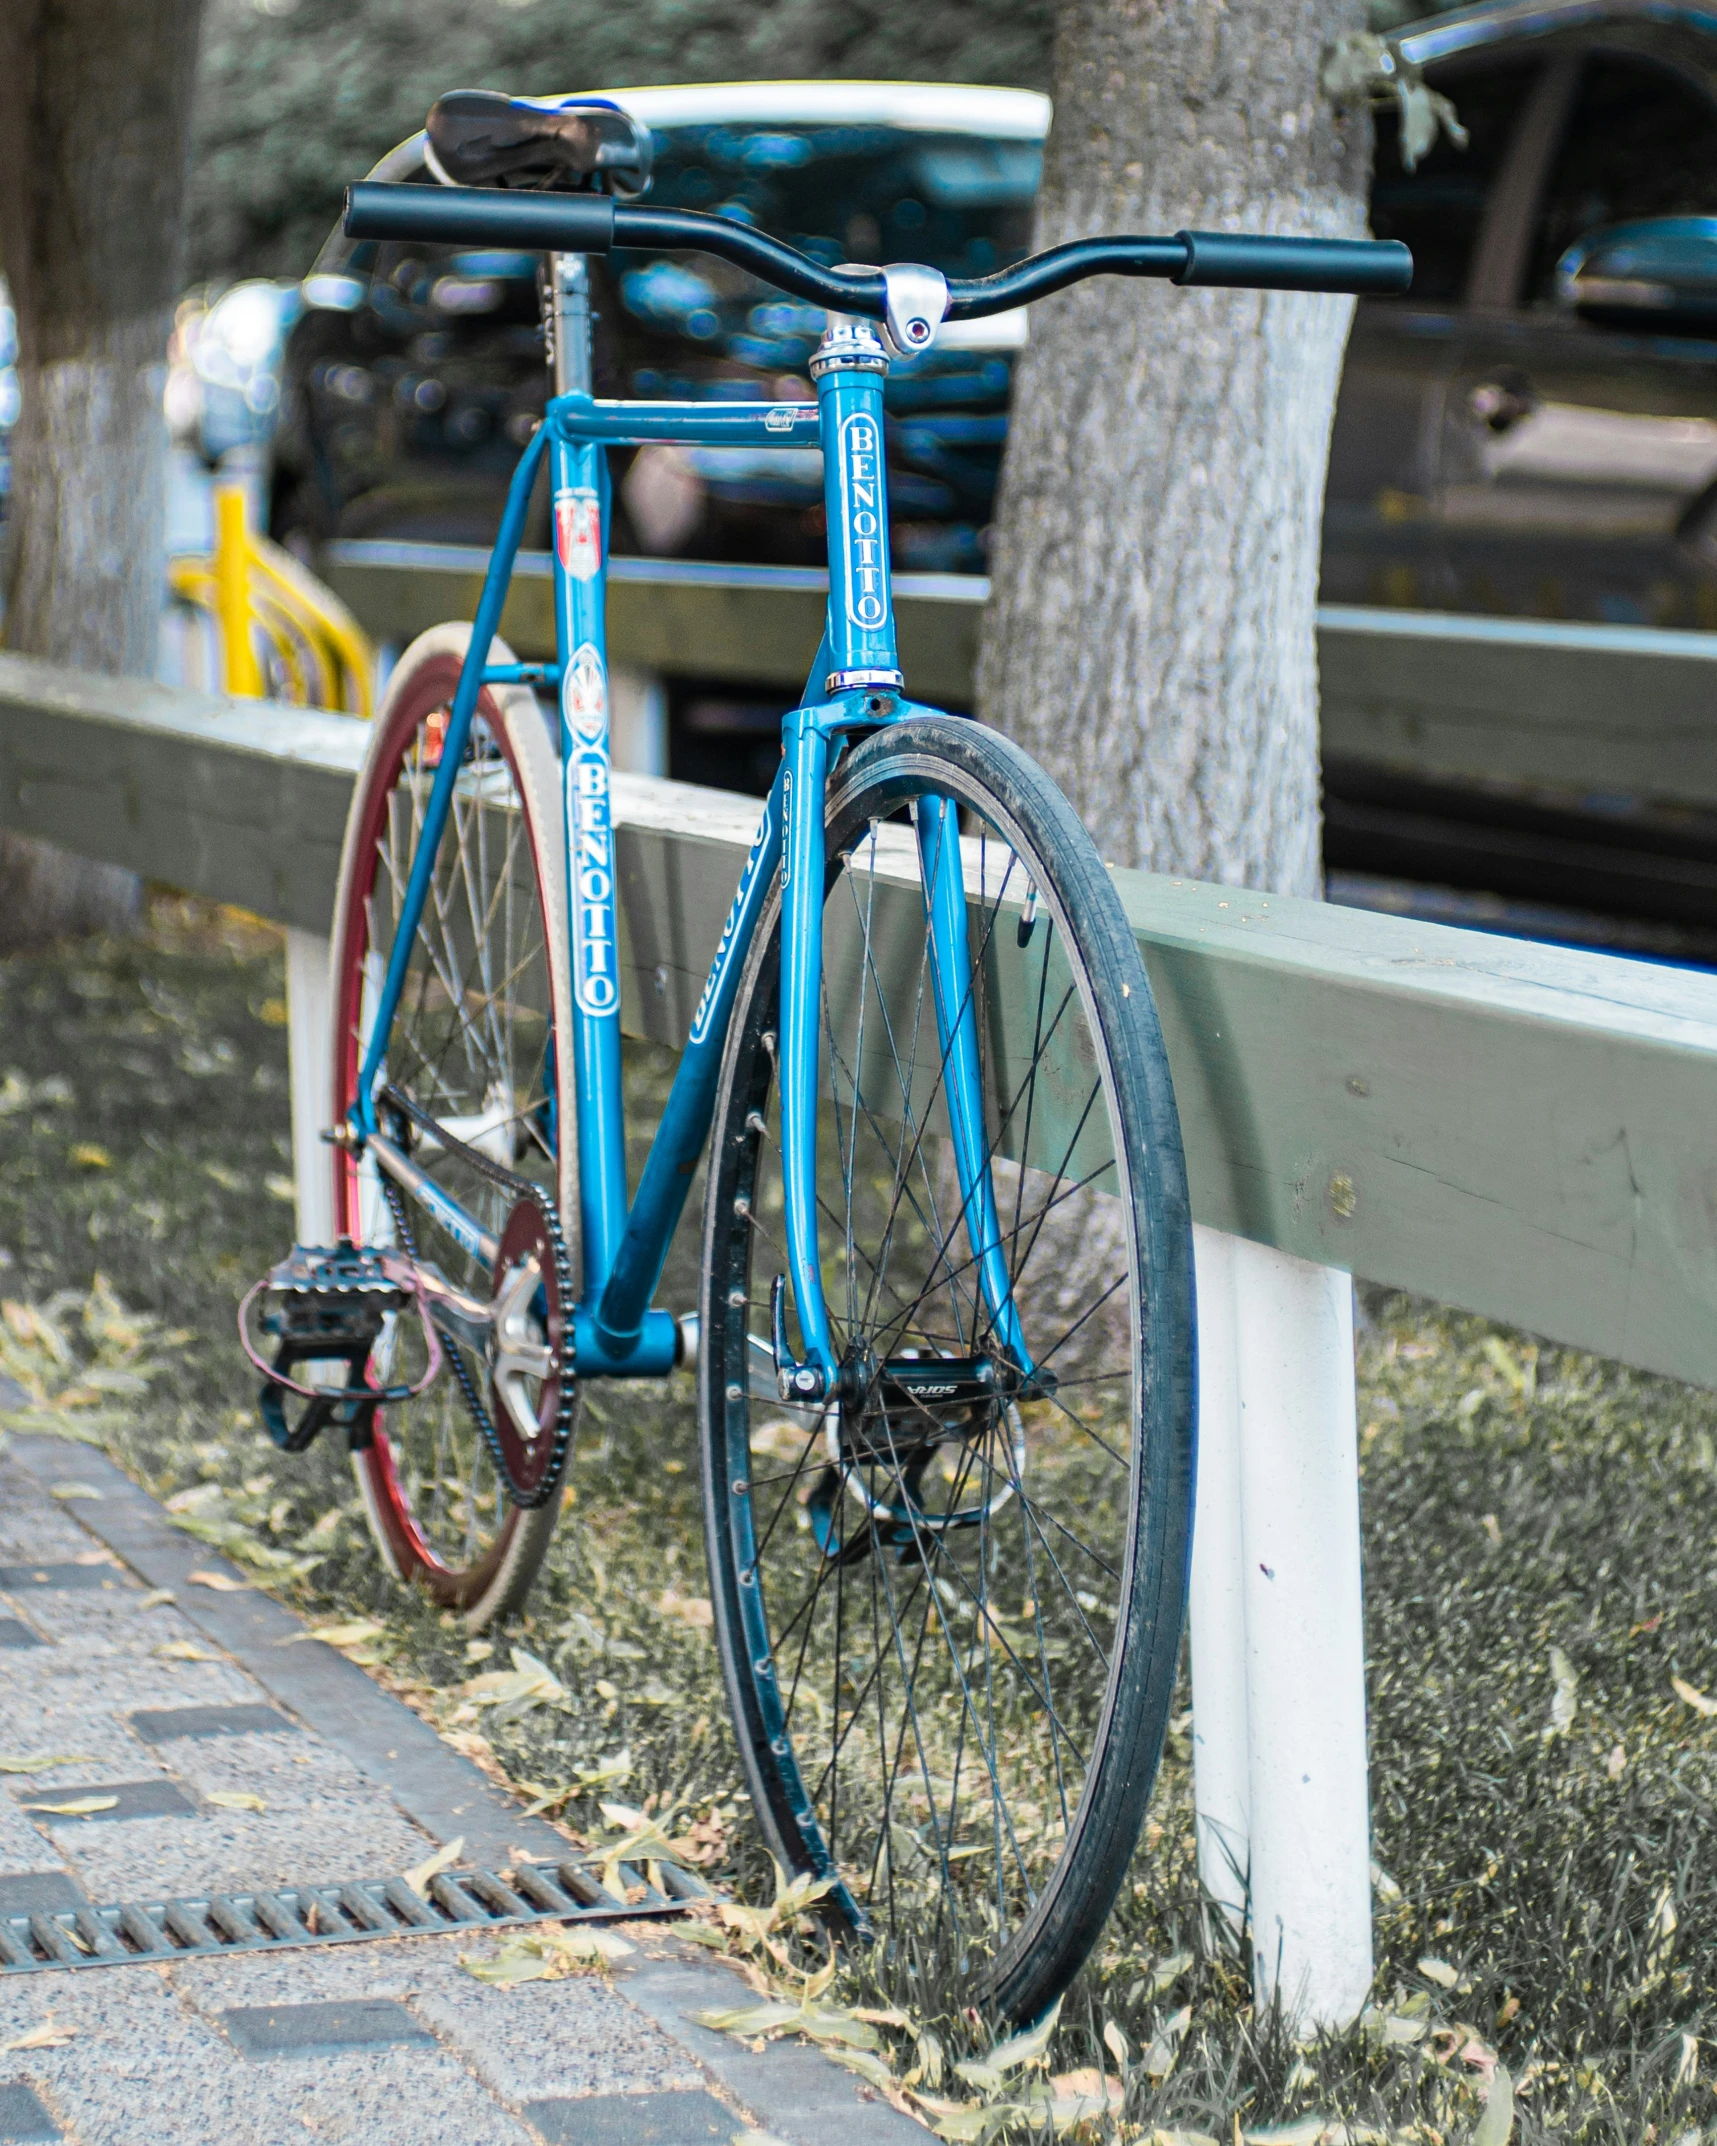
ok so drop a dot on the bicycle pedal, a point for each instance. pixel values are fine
(327, 1305)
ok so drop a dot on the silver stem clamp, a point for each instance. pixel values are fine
(917, 305)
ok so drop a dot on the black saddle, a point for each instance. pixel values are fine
(477, 137)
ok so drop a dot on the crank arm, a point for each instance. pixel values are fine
(462, 1318)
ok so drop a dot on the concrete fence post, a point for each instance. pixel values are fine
(1278, 1650)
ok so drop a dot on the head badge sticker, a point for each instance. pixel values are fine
(584, 694)
(578, 532)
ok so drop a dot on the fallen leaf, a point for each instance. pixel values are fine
(222, 1583)
(73, 1490)
(528, 1683)
(696, 1610)
(352, 1633)
(1158, 2059)
(1496, 2120)
(155, 1598)
(547, 1954)
(235, 1799)
(77, 1806)
(1695, 1699)
(280, 1188)
(183, 1650)
(1564, 1700)
(1116, 2043)
(1081, 2097)
(1439, 1972)
(44, 1761)
(48, 2036)
(987, 2073)
(88, 1156)
(419, 1875)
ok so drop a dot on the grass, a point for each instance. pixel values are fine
(1539, 1567)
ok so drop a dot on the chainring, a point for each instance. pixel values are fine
(530, 1468)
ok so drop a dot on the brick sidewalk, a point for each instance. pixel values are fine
(376, 2041)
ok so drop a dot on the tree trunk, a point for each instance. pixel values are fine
(95, 103)
(1150, 634)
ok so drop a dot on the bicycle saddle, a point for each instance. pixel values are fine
(478, 137)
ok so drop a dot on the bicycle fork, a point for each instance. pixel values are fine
(859, 680)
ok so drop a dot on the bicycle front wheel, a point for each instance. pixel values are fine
(950, 1630)
(480, 1046)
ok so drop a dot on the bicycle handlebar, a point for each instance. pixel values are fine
(593, 223)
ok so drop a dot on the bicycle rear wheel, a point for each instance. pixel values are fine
(950, 1632)
(481, 1043)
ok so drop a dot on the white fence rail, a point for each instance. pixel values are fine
(1520, 1130)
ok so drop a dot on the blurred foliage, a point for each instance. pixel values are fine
(298, 97)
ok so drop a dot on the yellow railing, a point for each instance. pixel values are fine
(312, 651)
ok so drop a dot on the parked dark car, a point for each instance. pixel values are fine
(416, 372)
(1519, 434)
(1532, 430)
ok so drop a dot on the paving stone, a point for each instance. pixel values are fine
(142, 2069)
(39, 1892)
(25, 1579)
(633, 2120)
(389, 2043)
(319, 2030)
(22, 2115)
(132, 1799)
(236, 1851)
(573, 2038)
(14, 1634)
(160, 1726)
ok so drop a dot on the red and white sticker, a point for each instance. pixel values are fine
(578, 533)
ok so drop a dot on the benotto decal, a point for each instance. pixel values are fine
(866, 541)
(584, 693)
(786, 415)
(590, 862)
(730, 930)
(578, 532)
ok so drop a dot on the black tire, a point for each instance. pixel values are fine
(867, 1572)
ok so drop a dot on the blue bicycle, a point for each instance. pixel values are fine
(945, 1345)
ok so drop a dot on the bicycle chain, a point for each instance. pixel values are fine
(521, 1188)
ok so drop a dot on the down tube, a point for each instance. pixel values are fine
(957, 1033)
(580, 510)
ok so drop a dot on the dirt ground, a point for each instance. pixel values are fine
(1541, 1576)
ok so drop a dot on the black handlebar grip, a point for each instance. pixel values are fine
(1370, 268)
(481, 216)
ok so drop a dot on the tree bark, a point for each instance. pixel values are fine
(1150, 632)
(95, 104)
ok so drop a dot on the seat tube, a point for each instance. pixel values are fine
(580, 480)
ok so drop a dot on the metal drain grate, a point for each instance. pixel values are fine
(157, 1930)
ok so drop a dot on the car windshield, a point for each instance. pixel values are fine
(959, 202)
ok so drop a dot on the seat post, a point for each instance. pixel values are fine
(567, 319)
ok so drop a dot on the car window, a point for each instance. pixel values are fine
(1438, 207)
(959, 202)
(962, 203)
(1640, 141)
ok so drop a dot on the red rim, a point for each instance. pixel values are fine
(429, 689)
